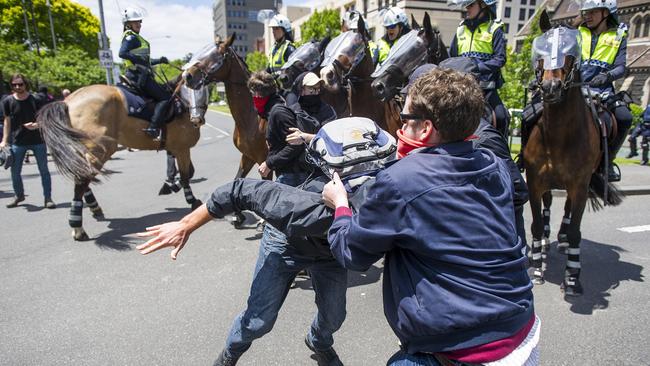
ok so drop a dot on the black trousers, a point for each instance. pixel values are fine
(493, 99)
(148, 85)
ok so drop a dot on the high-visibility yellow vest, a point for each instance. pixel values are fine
(477, 44)
(384, 49)
(606, 47)
(143, 51)
(276, 57)
(374, 51)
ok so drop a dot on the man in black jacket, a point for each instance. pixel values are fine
(282, 158)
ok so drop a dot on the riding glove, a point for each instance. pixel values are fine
(600, 80)
(164, 60)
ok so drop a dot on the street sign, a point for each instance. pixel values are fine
(106, 58)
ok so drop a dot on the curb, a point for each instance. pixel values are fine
(626, 190)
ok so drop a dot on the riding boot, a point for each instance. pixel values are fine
(633, 151)
(158, 119)
(613, 173)
(644, 152)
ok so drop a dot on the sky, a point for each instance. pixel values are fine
(173, 28)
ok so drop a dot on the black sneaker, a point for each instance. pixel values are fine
(225, 360)
(16, 201)
(631, 154)
(326, 357)
(613, 173)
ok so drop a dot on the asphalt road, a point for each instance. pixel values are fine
(101, 303)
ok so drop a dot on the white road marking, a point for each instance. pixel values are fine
(217, 128)
(635, 229)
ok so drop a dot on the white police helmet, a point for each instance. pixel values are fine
(351, 19)
(599, 4)
(462, 4)
(395, 15)
(281, 21)
(132, 15)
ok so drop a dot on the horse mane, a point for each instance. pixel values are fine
(241, 62)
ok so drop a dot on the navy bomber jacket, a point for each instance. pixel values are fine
(454, 275)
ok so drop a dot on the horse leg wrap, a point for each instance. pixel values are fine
(74, 219)
(91, 202)
(189, 196)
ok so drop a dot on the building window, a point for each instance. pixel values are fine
(522, 14)
(523, 2)
(519, 26)
(532, 2)
(506, 13)
(646, 25)
(507, 28)
(531, 12)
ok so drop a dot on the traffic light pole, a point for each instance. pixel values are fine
(103, 40)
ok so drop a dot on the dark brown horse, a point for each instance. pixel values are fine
(308, 57)
(564, 150)
(221, 63)
(420, 46)
(84, 131)
(350, 66)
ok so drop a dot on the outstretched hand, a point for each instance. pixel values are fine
(172, 234)
(296, 137)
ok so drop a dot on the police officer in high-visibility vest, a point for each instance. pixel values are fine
(604, 50)
(283, 47)
(396, 24)
(135, 52)
(480, 36)
(351, 23)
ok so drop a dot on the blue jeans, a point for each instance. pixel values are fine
(276, 268)
(402, 358)
(292, 179)
(40, 153)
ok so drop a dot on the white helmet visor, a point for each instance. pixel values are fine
(554, 46)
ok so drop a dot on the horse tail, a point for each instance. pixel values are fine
(69, 147)
(597, 193)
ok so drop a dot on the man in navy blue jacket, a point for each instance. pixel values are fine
(455, 281)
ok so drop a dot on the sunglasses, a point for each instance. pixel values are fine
(17, 84)
(391, 26)
(409, 117)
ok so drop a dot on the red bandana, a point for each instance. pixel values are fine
(260, 103)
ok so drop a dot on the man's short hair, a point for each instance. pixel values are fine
(262, 82)
(451, 100)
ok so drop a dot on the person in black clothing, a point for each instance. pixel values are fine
(21, 131)
(283, 158)
(311, 112)
(43, 97)
(135, 52)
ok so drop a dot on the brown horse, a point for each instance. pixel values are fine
(221, 63)
(84, 131)
(420, 46)
(564, 150)
(350, 66)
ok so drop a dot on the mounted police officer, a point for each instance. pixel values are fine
(351, 23)
(397, 24)
(604, 50)
(135, 52)
(480, 36)
(283, 47)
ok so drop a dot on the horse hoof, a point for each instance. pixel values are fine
(571, 287)
(538, 280)
(165, 190)
(98, 214)
(79, 234)
(196, 204)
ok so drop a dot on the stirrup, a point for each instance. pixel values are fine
(152, 132)
(614, 173)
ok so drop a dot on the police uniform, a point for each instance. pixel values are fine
(483, 41)
(643, 130)
(135, 52)
(279, 55)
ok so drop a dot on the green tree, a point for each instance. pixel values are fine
(74, 24)
(256, 61)
(71, 68)
(518, 71)
(321, 24)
